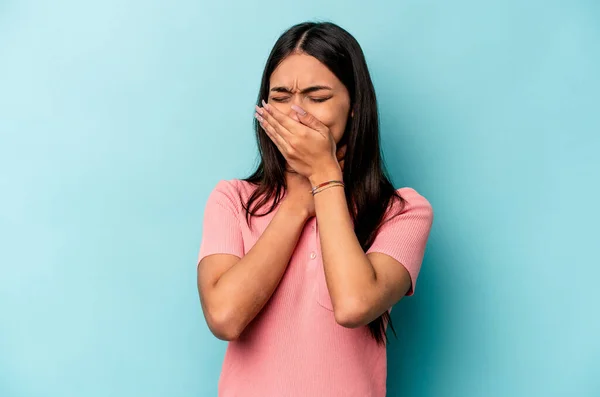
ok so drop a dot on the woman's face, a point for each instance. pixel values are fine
(302, 80)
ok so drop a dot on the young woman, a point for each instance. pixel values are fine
(301, 262)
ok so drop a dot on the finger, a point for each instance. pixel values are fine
(270, 130)
(283, 119)
(272, 121)
(273, 136)
(281, 144)
(309, 120)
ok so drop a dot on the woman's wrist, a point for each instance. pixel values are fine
(294, 212)
(331, 172)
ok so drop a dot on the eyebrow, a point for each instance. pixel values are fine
(304, 91)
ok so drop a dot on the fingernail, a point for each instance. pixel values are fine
(265, 105)
(259, 110)
(258, 117)
(299, 110)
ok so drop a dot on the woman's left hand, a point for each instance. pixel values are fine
(308, 145)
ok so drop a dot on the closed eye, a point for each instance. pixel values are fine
(317, 100)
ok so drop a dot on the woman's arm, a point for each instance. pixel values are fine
(233, 290)
(361, 286)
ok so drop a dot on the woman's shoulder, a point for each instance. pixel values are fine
(233, 189)
(414, 200)
(409, 192)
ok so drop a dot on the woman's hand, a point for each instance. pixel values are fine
(299, 199)
(308, 145)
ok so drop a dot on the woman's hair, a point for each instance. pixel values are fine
(369, 193)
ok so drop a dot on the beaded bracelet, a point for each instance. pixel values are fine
(326, 185)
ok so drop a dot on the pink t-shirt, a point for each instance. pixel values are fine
(294, 347)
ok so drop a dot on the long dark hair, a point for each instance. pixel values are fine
(369, 191)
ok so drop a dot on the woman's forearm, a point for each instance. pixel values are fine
(243, 290)
(348, 271)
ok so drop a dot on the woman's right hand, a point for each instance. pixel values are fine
(299, 198)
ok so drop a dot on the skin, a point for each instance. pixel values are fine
(362, 287)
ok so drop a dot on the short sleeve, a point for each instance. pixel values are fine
(221, 232)
(404, 236)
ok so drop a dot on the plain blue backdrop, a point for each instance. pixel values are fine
(117, 118)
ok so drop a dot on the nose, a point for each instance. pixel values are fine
(294, 101)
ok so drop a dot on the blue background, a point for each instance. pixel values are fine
(117, 118)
